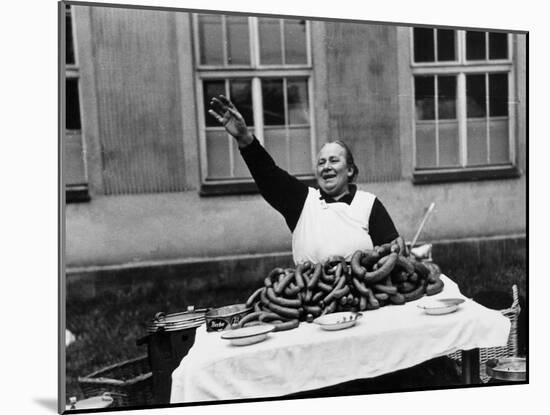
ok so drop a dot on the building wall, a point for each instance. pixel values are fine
(114, 230)
(144, 150)
(363, 96)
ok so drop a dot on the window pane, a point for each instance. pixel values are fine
(425, 144)
(424, 92)
(423, 45)
(241, 96)
(498, 94)
(69, 45)
(240, 169)
(238, 49)
(498, 130)
(448, 143)
(72, 105)
(477, 142)
(273, 101)
(475, 96)
(295, 41)
(498, 45)
(475, 46)
(445, 45)
(217, 150)
(446, 97)
(298, 111)
(211, 39)
(74, 172)
(300, 151)
(211, 89)
(275, 144)
(270, 41)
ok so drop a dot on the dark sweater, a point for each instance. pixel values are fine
(287, 194)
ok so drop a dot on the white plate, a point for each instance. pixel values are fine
(337, 321)
(248, 335)
(438, 306)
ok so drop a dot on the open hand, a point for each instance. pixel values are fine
(227, 115)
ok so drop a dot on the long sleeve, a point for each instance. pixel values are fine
(381, 227)
(279, 188)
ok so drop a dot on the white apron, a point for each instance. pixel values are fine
(327, 229)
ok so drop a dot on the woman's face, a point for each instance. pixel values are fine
(332, 170)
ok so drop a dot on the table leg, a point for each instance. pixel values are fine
(470, 367)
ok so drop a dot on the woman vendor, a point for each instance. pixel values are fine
(336, 219)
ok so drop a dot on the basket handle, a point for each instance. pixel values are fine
(515, 296)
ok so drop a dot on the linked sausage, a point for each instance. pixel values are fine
(249, 317)
(383, 249)
(285, 302)
(314, 280)
(360, 287)
(291, 290)
(314, 310)
(330, 308)
(324, 287)
(287, 325)
(415, 294)
(298, 276)
(286, 312)
(404, 263)
(339, 290)
(317, 297)
(383, 271)
(421, 269)
(369, 258)
(356, 268)
(381, 296)
(362, 303)
(284, 282)
(372, 301)
(268, 281)
(406, 287)
(397, 299)
(254, 297)
(434, 288)
(434, 274)
(263, 298)
(399, 275)
(388, 289)
(268, 316)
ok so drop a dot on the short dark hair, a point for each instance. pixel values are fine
(349, 159)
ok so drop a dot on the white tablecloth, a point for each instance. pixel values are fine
(383, 341)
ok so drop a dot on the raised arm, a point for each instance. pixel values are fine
(279, 188)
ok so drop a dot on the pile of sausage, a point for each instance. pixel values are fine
(372, 279)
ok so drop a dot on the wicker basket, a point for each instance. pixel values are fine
(511, 348)
(129, 383)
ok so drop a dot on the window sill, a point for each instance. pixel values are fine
(240, 188)
(467, 174)
(77, 193)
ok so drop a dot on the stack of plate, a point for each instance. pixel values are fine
(176, 321)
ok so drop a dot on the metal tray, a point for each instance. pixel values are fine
(507, 368)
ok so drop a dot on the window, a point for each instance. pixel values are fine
(463, 100)
(263, 65)
(74, 164)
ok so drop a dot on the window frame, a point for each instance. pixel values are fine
(461, 67)
(78, 191)
(256, 71)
